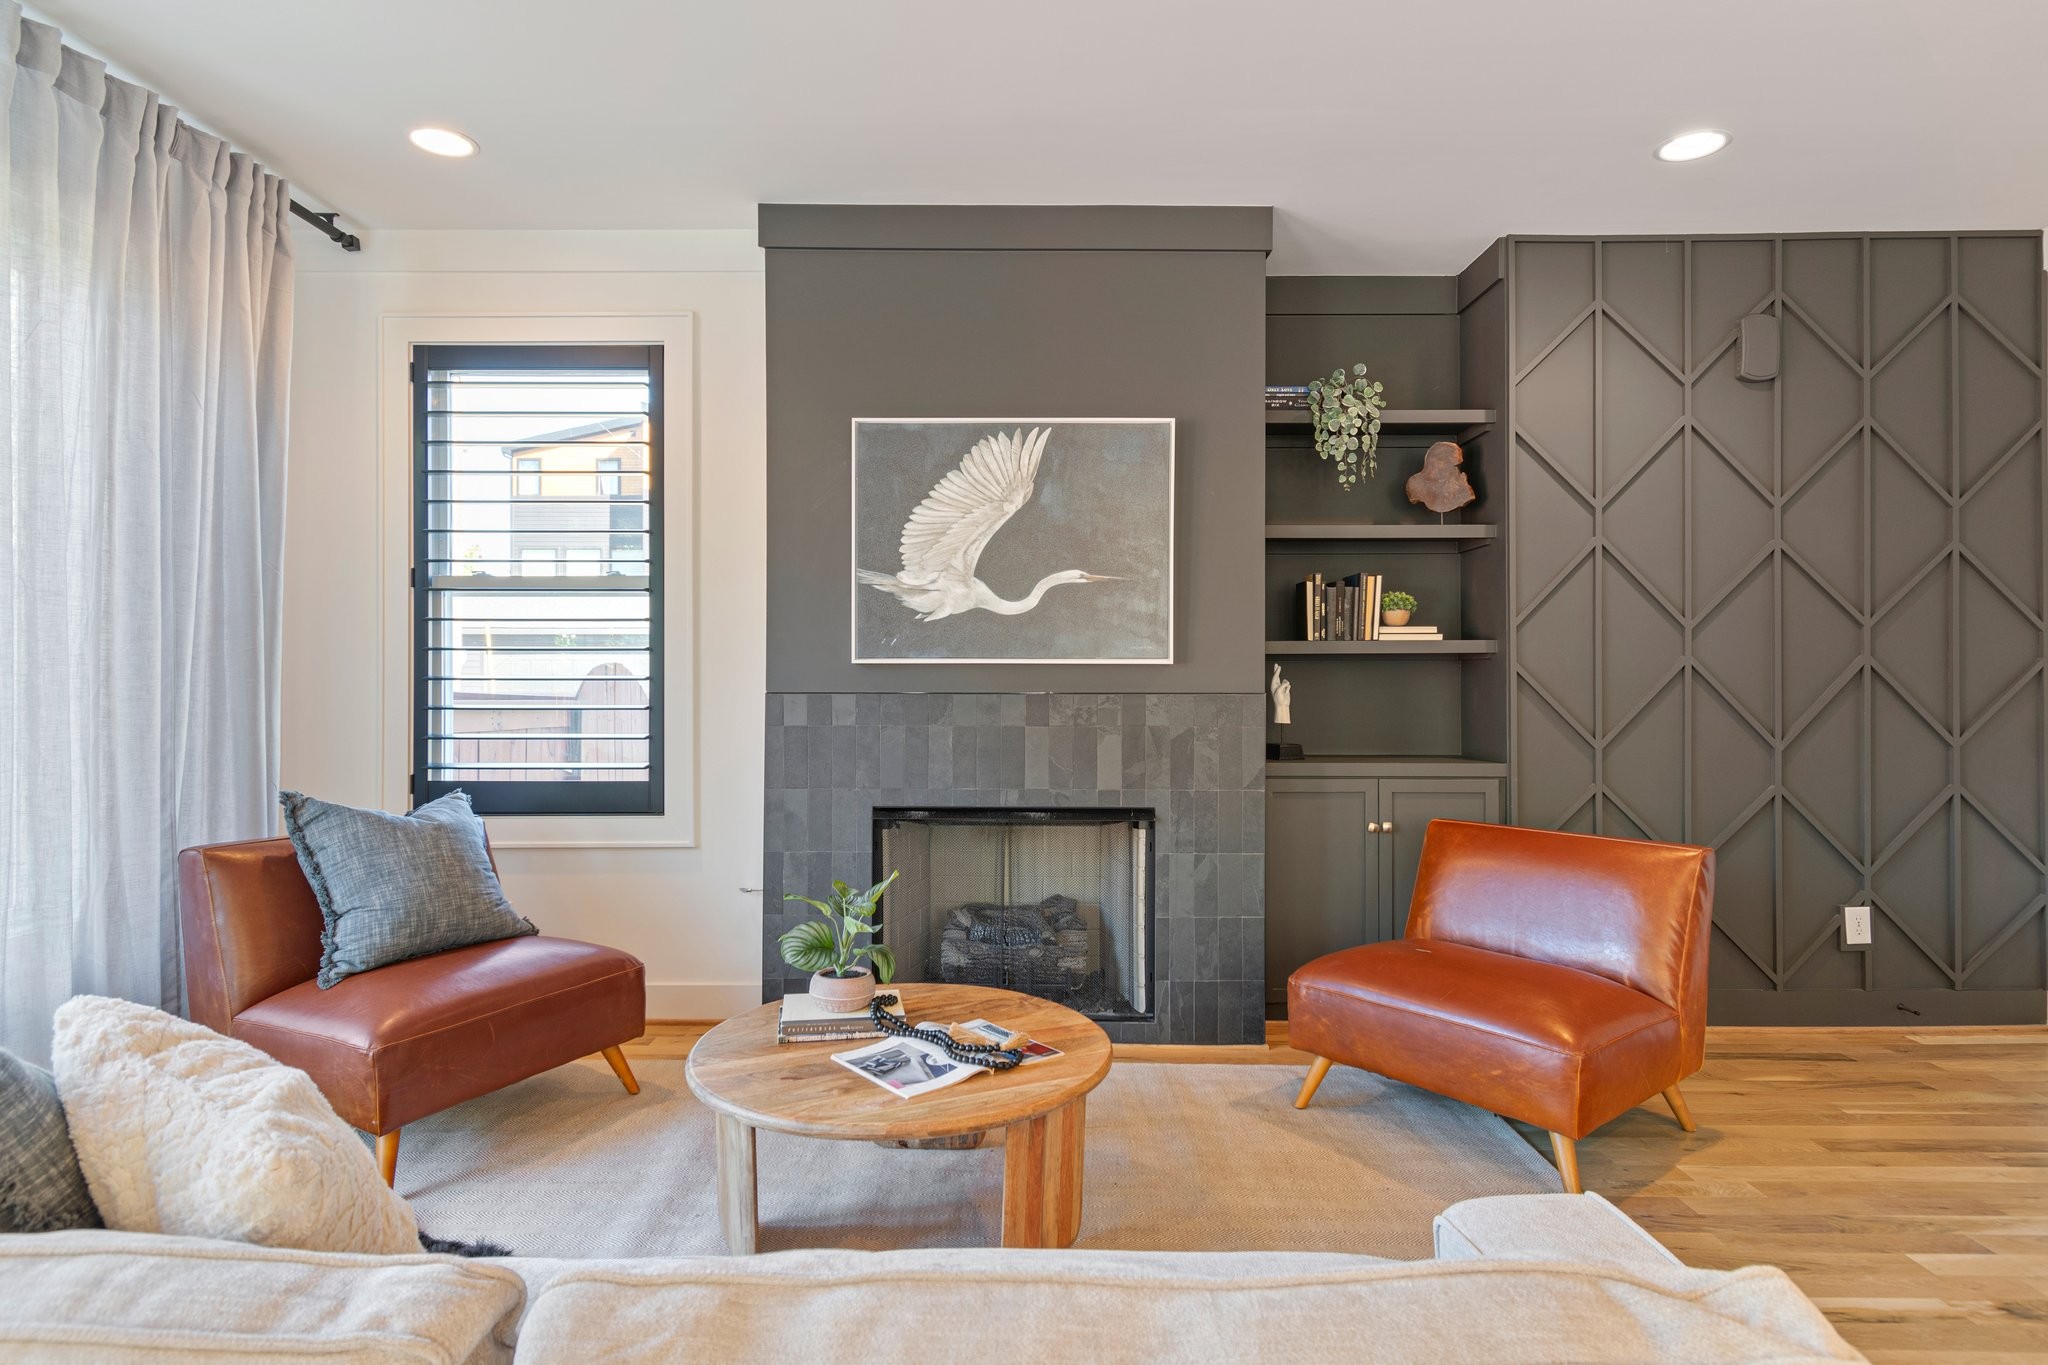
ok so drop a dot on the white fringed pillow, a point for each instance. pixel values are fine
(182, 1131)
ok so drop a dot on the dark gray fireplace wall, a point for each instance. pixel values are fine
(1016, 313)
(1197, 760)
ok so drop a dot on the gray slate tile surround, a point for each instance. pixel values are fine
(1198, 760)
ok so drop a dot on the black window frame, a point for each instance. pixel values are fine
(539, 798)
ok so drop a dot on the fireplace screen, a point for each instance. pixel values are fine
(1053, 903)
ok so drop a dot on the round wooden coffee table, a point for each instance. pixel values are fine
(753, 1082)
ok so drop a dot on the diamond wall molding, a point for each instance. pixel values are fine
(1863, 592)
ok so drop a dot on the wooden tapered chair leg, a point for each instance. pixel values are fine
(1679, 1110)
(1315, 1078)
(619, 1068)
(1567, 1153)
(387, 1156)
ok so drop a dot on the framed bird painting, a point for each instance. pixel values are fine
(1013, 540)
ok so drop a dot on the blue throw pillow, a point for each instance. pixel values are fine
(41, 1187)
(393, 887)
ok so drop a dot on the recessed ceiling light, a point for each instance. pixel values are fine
(443, 141)
(1694, 145)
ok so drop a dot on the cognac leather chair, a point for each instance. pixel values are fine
(398, 1043)
(1559, 979)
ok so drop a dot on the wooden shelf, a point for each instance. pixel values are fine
(1444, 418)
(1301, 649)
(1366, 530)
(1384, 765)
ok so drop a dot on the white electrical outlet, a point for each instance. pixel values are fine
(1855, 926)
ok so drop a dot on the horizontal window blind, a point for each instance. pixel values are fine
(537, 577)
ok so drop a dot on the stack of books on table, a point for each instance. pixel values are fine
(1282, 397)
(804, 1021)
(1410, 633)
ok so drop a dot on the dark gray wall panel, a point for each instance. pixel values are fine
(1035, 332)
(1799, 620)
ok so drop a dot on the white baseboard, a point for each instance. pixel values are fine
(701, 999)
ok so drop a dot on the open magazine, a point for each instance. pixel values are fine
(910, 1067)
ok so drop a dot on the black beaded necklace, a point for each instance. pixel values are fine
(990, 1055)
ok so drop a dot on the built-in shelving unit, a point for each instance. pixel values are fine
(1282, 649)
(1393, 709)
(1447, 419)
(1368, 530)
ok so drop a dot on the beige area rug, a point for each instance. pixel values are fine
(1180, 1157)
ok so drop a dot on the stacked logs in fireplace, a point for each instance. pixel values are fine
(1045, 949)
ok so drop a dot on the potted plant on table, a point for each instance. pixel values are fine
(1395, 607)
(831, 950)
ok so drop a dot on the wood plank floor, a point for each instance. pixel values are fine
(1900, 1176)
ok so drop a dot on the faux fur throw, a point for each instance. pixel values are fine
(182, 1131)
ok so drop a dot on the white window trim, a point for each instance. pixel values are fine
(675, 333)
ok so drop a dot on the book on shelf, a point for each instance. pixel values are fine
(803, 1020)
(1364, 588)
(1315, 609)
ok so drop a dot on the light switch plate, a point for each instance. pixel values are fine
(1855, 926)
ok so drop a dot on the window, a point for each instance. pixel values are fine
(537, 578)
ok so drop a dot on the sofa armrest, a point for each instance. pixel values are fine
(139, 1298)
(1547, 1227)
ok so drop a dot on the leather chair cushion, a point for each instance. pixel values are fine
(1626, 909)
(1554, 1046)
(392, 1045)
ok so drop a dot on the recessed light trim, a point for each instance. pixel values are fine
(1693, 145)
(443, 141)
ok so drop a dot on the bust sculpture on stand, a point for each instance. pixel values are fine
(1441, 486)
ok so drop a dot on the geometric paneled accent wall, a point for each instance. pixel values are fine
(1800, 620)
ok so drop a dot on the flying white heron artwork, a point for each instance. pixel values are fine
(944, 538)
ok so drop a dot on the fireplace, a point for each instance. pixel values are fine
(1054, 902)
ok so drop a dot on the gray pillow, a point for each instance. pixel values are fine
(393, 887)
(41, 1187)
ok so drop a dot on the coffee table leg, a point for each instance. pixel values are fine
(1042, 1164)
(738, 1200)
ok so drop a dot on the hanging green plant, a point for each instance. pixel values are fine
(1347, 416)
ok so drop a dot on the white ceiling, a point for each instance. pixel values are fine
(1391, 137)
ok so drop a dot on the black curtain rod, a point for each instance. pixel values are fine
(347, 241)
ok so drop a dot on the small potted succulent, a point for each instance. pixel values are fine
(1395, 607)
(828, 950)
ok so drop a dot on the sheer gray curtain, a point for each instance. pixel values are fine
(146, 341)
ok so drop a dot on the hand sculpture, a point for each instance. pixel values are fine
(1283, 693)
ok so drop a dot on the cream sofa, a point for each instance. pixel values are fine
(1525, 1278)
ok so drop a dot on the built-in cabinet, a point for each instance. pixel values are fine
(1342, 847)
(1394, 734)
